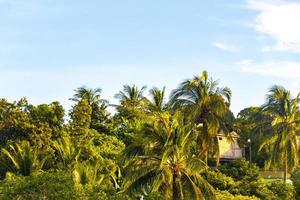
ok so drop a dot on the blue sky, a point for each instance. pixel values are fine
(50, 47)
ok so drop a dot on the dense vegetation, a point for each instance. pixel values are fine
(151, 148)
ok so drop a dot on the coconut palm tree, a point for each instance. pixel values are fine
(91, 95)
(131, 95)
(160, 159)
(22, 158)
(206, 104)
(285, 126)
(132, 101)
(157, 103)
(99, 115)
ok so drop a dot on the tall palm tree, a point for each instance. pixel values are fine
(91, 95)
(131, 95)
(132, 101)
(206, 104)
(157, 99)
(285, 126)
(160, 159)
(99, 115)
(22, 158)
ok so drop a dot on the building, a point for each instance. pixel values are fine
(229, 148)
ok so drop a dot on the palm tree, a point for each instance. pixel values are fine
(131, 95)
(87, 174)
(99, 115)
(22, 158)
(132, 101)
(157, 100)
(282, 143)
(91, 95)
(206, 104)
(66, 152)
(160, 159)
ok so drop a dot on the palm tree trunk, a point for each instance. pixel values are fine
(177, 194)
(285, 167)
(206, 157)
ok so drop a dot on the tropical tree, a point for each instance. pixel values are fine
(157, 101)
(91, 95)
(81, 119)
(132, 101)
(99, 117)
(160, 159)
(205, 104)
(22, 158)
(285, 126)
(84, 174)
(66, 153)
(255, 125)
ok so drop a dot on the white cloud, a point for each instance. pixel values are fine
(225, 47)
(280, 69)
(280, 20)
(245, 62)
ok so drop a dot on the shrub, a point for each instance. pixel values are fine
(257, 188)
(220, 181)
(224, 195)
(45, 185)
(240, 170)
(282, 190)
(296, 182)
(53, 186)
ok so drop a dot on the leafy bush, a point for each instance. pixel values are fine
(296, 182)
(44, 185)
(220, 181)
(53, 186)
(257, 188)
(240, 170)
(282, 190)
(224, 195)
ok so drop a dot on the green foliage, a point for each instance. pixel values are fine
(86, 174)
(220, 181)
(80, 120)
(39, 124)
(132, 102)
(282, 190)
(240, 170)
(241, 177)
(283, 141)
(203, 102)
(65, 152)
(296, 182)
(100, 120)
(50, 186)
(157, 104)
(252, 124)
(22, 158)
(223, 195)
(14, 122)
(149, 148)
(160, 160)
(108, 146)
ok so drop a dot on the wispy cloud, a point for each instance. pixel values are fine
(279, 69)
(244, 62)
(280, 20)
(225, 47)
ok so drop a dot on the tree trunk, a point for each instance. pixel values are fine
(177, 194)
(206, 157)
(285, 167)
